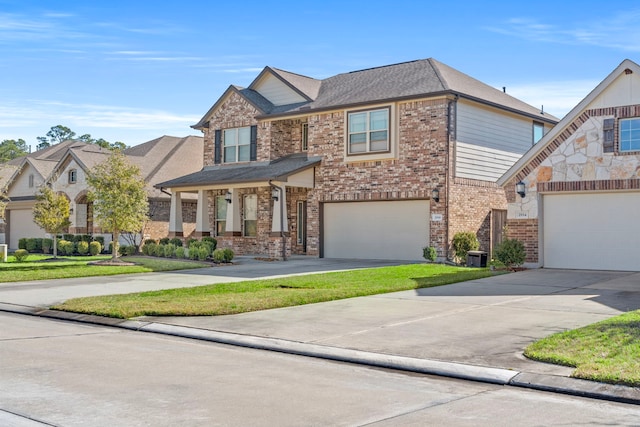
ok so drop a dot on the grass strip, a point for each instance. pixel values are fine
(607, 351)
(240, 297)
(39, 267)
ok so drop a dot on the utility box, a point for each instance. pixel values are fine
(3, 253)
(476, 259)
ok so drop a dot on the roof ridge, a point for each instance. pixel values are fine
(383, 66)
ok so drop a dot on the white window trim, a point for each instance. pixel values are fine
(620, 121)
(219, 199)
(373, 155)
(244, 214)
(236, 145)
(73, 173)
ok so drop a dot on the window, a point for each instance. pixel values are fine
(73, 176)
(221, 215)
(368, 131)
(608, 140)
(305, 137)
(31, 181)
(538, 131)
(236, 145)
(250, 215)
(629, 134)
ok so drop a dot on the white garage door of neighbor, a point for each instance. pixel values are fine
(376, 230)
(596, 231)
(21, 225)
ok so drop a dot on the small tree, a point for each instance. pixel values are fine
(51, 213)
(119, 198)
(464, 242)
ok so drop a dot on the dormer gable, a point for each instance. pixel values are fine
(284, 88)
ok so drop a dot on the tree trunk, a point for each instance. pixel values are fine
(114, 245)
(55, 245)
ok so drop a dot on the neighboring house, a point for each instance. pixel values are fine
(376, 163)
(581, 183)
(65, 167)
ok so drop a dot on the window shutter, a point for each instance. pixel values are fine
(608, 138)
(253, 148)
(217, 148)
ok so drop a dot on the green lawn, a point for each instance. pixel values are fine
(240, 297)
(607, 351)
(36, 268)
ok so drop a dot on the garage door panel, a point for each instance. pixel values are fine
(598, 231)
(376, 230)
(21, 225)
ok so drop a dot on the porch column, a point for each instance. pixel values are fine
(234, 225)
(175, 215)
(202, 215)
(279, 217)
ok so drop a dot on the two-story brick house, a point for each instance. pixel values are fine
(376, 163)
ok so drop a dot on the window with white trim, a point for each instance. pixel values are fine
(368, 131)
(221, 215)
(305, 136)
(73, 176)
(629, 134)
(250, 210)
(538, 131)
(31, 181)
(236, 145)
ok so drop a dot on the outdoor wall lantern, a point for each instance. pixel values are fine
(435, 195)
(520, 188)
(274, 193)
(227, 197)
(70, 211)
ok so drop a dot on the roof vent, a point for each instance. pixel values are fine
(628, 71)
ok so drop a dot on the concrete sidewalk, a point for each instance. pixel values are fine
(474, 330)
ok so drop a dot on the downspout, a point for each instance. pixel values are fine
(282, 236)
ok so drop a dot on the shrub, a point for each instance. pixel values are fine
(83, 247)
(203, 253)
(66, 247)
(429, 253)
(464, 242)
(169, 250)
(218, 255)
(193, 251)
(31, 245)
(228, 255)
(176, 241)
(67, 237)
(164, 240)
(148, 248)
(213, 243)
(158, 250)
(47, 244)
(191, 241)
(95, 248)
(180, 251)
(99, 239)
(149, 242)
(21, 255)
(510, 252)
(126, 250)
(22, 243)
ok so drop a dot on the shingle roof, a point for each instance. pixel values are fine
(277, 170)
(414, 79)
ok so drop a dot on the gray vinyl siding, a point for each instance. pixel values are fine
(489, 142)
(277, 92)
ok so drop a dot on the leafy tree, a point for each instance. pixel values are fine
(59, 134)
(51, 213)
(119, 198)
(11, 148)
(4, 199)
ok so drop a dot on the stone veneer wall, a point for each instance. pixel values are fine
(573, 161)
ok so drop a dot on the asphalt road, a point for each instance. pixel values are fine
(68, 374)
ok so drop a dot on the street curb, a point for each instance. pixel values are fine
(542, 382)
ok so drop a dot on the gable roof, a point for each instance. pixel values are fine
(567, 120)
(407, 80)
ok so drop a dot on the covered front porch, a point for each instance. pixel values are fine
(258, 208)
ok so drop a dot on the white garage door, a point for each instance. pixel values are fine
(21, 225)
(597, 231)
(376, 230)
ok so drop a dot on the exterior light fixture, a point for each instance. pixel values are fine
(274, 193)
(70, 211)
(227, 197)
(520, 186)
(435, 195)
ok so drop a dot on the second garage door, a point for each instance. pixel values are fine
(595, 231)
(376, 230)
(21, 225)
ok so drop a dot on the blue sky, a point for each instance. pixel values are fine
(134, 70)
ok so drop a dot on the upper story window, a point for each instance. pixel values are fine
(73, 176)
(629, 134)
(368, 131)
(236, 145)
(538, 131)
(305, 137)
(31, 179)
